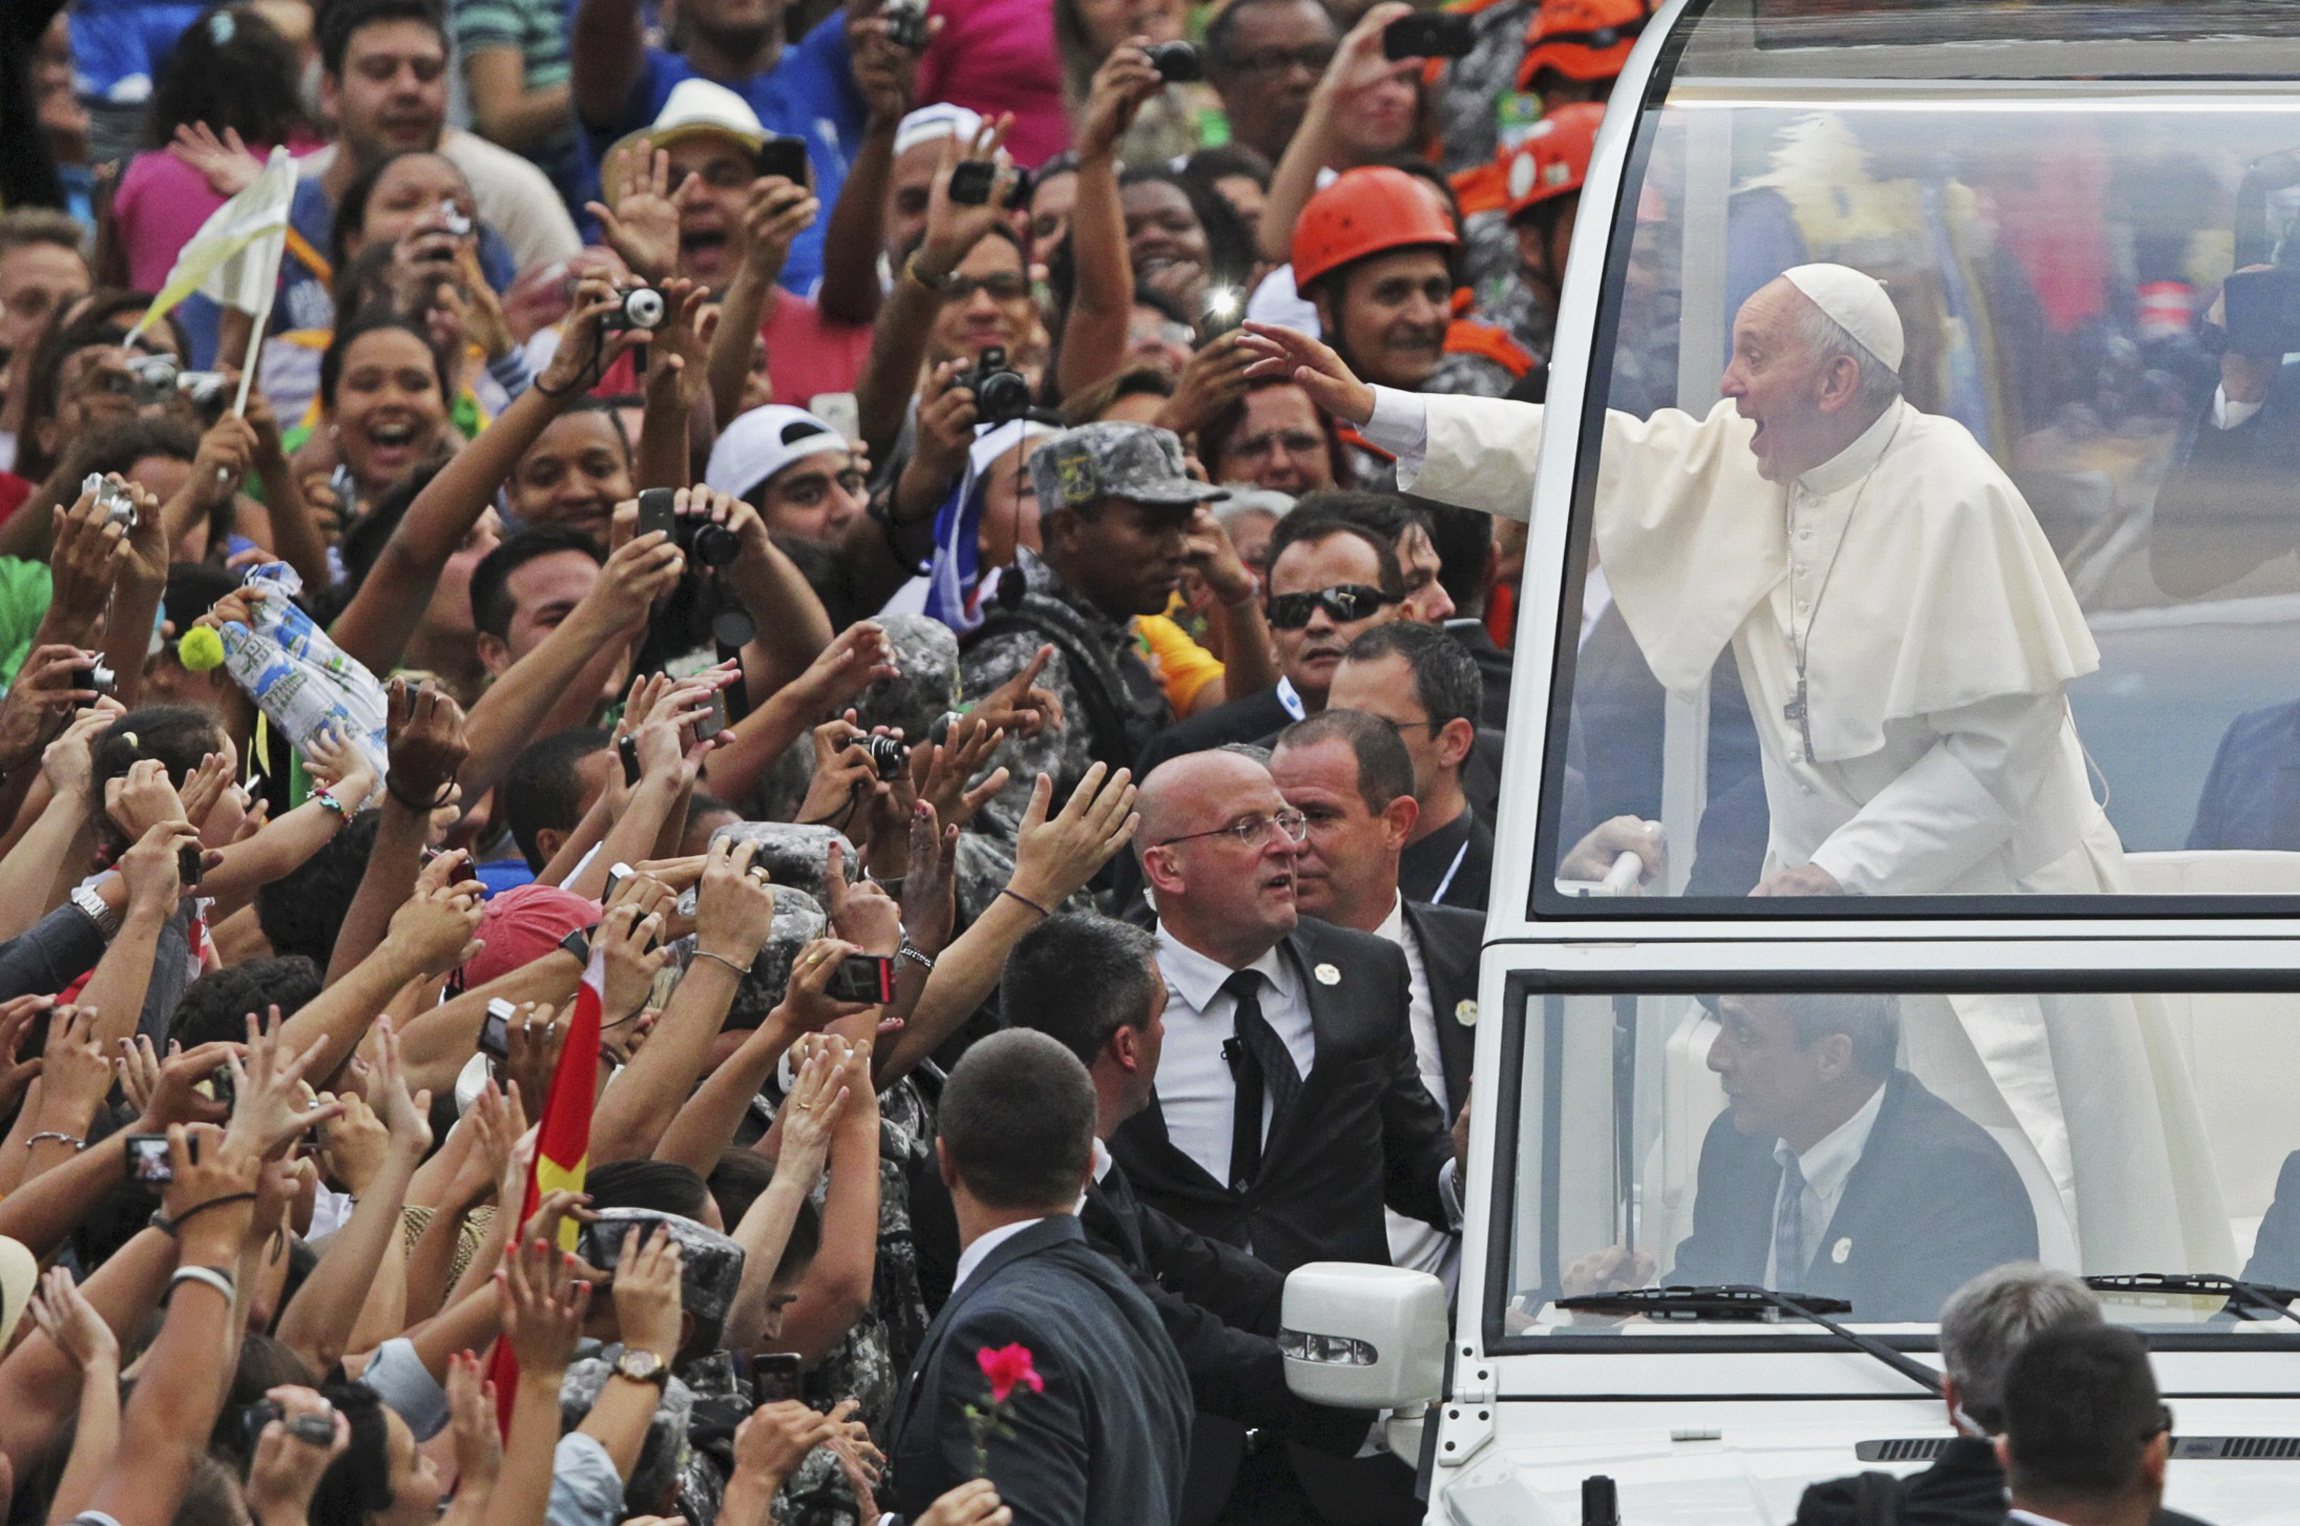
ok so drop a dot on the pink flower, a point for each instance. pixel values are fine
(1005, 1368)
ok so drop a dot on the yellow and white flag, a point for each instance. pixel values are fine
(235, 257)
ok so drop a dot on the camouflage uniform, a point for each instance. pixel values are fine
(1476, 92)
(1097, 669)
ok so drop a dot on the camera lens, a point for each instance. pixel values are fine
(1001, 398)
(1176, 63)
(887, 753)
(643, 309)
(716, 545)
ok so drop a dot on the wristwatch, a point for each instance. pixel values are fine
(643, 1367)
(94, 908)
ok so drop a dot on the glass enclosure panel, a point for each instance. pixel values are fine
(2030, 630)
(1883, 1148)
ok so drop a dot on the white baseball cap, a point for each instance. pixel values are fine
(931, 124)
(760, 443)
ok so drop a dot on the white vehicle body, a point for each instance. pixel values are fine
(1591, 1094)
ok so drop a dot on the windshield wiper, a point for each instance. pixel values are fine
(1747, 1303)
(2260, 1295)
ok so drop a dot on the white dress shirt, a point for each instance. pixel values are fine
(1196, 1092)
(1413, 1243)
(1825, 1166)
(970, 1260)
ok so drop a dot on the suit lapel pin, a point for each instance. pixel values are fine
(1327, 975)
(1841, 1251)
(1465, 1013)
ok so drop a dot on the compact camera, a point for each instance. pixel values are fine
(452, 219)
(1000, 395)
(112, 499)
(642, 307)
(889, 755)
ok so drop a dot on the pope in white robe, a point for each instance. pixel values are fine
(1903, 630)
(1906, 638)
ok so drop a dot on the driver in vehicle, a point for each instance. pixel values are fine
(1903, 629)
(1833, 1172)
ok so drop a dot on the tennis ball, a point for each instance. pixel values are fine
(201, 649)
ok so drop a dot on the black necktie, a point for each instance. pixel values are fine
(1261, 1065)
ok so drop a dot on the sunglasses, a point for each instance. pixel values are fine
(1343, 602)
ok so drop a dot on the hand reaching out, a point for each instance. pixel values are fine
(266, 1110)
(543, 1309)
(1332, 385)
(226, 164)
(426, 742)
(65, 1316)
(642, 222)
(1055, 856)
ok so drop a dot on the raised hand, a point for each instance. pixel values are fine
(266, 1110)
(1332, 385)
(471, 1413)
(778, 212)
(1019, 706)
(642, 224)
(16, 1073)
(954, 228)
(805, 1007)
(341, 766)
(425, 740)
(942, 771)
(862, 913)
(735, 904)
(634, 954)
(930, 891)
(857, 657)
(543, 1308)
(1125, 81)
(226, 164)
(647, 1295)
(66, 1317)
(533, 1037)
(434, 928)
(1055, 856)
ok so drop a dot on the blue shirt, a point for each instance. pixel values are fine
(810, 93)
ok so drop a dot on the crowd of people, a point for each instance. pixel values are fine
(893, 776)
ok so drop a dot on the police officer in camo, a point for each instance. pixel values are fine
(1116, 512)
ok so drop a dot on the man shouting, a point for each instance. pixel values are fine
(1902, 628)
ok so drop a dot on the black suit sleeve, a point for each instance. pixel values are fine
(1417, 1140)
(1240, 1289)
(1039, 1456)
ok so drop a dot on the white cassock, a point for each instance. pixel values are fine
(1943, 758)
(1938, 631)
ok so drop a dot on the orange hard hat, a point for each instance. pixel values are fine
(1581, 39)
(1553, 158)
(1366, 211)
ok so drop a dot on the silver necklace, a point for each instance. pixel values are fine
(1798, 711)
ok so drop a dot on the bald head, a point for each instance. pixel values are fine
(1194, 792)
(1229, 894)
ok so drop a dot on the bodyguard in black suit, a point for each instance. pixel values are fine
(1107, 1440)
(1288, 1107)
(1306, 1021)
(1831, 1172)
(1353, 778)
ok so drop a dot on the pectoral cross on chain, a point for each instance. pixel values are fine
(1796, 711)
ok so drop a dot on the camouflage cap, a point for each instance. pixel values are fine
(1114, 460)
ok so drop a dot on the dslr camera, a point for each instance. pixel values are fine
(642, 307)
(1000, 394)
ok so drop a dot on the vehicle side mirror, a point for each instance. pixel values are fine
(1357, 1336)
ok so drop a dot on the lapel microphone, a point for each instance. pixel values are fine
(1232, 1052)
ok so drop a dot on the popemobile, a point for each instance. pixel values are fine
(1898, 873)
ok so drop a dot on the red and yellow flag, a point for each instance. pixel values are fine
(562, 1143)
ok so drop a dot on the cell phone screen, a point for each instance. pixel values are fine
(862, 977)
(775, 1377)
(148, 1160)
